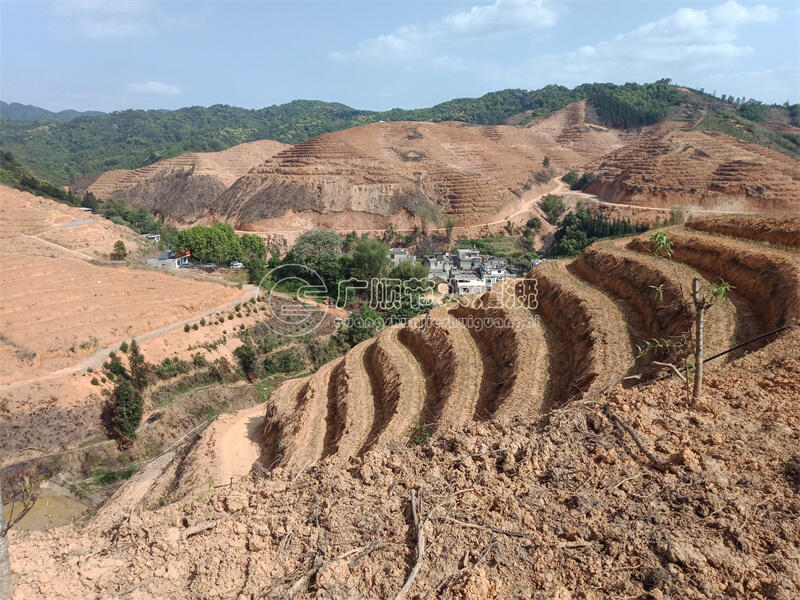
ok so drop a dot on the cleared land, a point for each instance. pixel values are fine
(61, 314)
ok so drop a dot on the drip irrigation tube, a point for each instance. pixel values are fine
(724, 352)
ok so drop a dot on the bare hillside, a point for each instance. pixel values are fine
(706, 169)
(185, 185)
(429, 171)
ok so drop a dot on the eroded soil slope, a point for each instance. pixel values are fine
(63, 312)
(188, 185)
(465, 172)
(699, 168)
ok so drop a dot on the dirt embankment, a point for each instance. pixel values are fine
(399, 384)
(351, 410)
(783, 231)
(587, 334)
(769, 278)
(451, 364)
(649, 290)
(513, 348)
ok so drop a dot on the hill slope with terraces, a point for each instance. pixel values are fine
(700, 168)
(430, 171)
(538, 473)
(588, 315)
(189, 184)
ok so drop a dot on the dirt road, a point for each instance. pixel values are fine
(238, 444)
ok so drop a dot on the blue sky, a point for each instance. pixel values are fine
(109, 55)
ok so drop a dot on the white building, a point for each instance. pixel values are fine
(399, 255)
(439, 266)
(170, 260)
(467, 259)
(466, 282)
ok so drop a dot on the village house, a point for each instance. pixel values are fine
(170, 259)
(399, 255)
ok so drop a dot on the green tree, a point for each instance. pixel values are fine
(449, 225)
(546, 162)
(169, 237)
(120, 251)
(363, 325)
(253, 246)
(553, 207)
(534, 224)
(137, 366)
(256, 270)
(410, 269)
(127, 409)
(370, 259)
(218, 243)
(321, 251)
(246, 355)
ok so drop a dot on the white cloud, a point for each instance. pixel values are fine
(109, 19)
(413, 41)
(686, 41)
(154, 88)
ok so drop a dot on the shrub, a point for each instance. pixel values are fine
(138, 367)
(95, 381)
(247, 359)
(570, 178)
(120, 251)
(186, 328)
(285, 361)
(123, 347)
(553, 207)
(584, 181)
(203, 322)
(195, 327)
(534, 223)
(127, 409)
(199, 360)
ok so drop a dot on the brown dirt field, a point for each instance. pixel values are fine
(563, 507)
(769, 278)
(186, 186)
(63, 314)
(783, 231)
(60, 229)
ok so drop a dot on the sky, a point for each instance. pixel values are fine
(379, 54)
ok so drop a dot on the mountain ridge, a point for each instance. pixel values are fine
(16, 111)
(135, 138)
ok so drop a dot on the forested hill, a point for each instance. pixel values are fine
(28, 112)
(134, 138)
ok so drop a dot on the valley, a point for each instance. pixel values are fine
(189, 432)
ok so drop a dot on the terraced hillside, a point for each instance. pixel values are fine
(187, 184)
(568, 331)
(699, 168)
(470, 173)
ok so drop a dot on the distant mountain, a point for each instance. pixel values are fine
(28, 112)
(135, 138)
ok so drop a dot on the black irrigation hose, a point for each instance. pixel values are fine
(724, 352)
